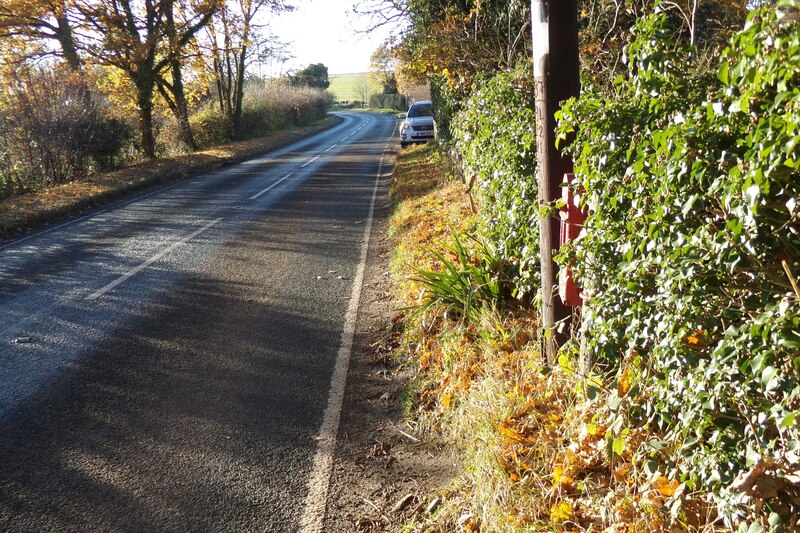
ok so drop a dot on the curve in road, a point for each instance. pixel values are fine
(165, 363)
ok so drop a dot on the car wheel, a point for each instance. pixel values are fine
(403, 145)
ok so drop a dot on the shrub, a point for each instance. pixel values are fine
(110, 136)
(446, 104)
(211, 127)
(48, 124)
(693, 249)
(265, 108)
(495, 135)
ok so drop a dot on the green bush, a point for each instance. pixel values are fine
(495, 135)
(211, 127)
(110, 136)
(693, 247)
(446, 103)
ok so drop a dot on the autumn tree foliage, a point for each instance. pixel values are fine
(144, 40)
(130, 61)
(43, 22)
(315, 75)
(227, 44)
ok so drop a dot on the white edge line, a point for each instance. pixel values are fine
(286, 177)
(100, 292)
(319, 483)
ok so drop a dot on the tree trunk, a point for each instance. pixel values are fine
(239, 94)
(67, 42)
(144, 101)
(181, 110)
(182, 106)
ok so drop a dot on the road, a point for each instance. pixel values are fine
(165, 363)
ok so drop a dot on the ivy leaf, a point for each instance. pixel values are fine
(722, 74)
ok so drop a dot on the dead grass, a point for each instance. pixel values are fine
(23, 212)
(543, 448)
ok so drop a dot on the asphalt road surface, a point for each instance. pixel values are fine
(165, 363)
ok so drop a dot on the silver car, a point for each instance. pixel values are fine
(418, 126)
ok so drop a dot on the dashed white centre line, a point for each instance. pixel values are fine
(286, 177)
(309, 161)
(132, 272)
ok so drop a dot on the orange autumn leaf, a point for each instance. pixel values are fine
(665, 487)
(560, 477)
(620, 473)
(510, 434)
(623, 385)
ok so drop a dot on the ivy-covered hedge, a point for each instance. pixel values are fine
(692, 250)
(495, 135)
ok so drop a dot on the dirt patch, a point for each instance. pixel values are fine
(25, 212)
(384, 471)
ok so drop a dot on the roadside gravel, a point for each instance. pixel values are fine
(384, 470)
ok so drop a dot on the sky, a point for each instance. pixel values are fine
(326, 31)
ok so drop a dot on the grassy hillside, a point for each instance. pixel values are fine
(343, 86)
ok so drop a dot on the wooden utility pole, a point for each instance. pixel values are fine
(557, 77)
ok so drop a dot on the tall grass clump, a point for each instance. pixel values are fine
(468, 279)
(268, 108)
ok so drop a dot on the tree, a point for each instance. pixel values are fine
(461, 39)
(142, 40)
(381, 68)
(606, 29)
(315, 75)
(229, 43)
(44, 21)
(362, 89)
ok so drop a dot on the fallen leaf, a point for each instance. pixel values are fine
(665, 487)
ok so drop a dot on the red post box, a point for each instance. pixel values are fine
(572, 220)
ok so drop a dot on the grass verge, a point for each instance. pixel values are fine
(542, 448)
(24, 212)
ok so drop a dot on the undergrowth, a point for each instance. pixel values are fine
(540, 447)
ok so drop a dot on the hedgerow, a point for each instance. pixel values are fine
(495, 135)
(691, 253)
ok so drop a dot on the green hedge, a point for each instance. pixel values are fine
(397, 102)
(495, 135)
(264, 109)
(692, 247)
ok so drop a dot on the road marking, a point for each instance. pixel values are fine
(97, 294)
(331, 147)
(309, 161)
(286, 177)
(319, 483)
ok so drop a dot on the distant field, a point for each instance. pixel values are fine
(343, 86)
